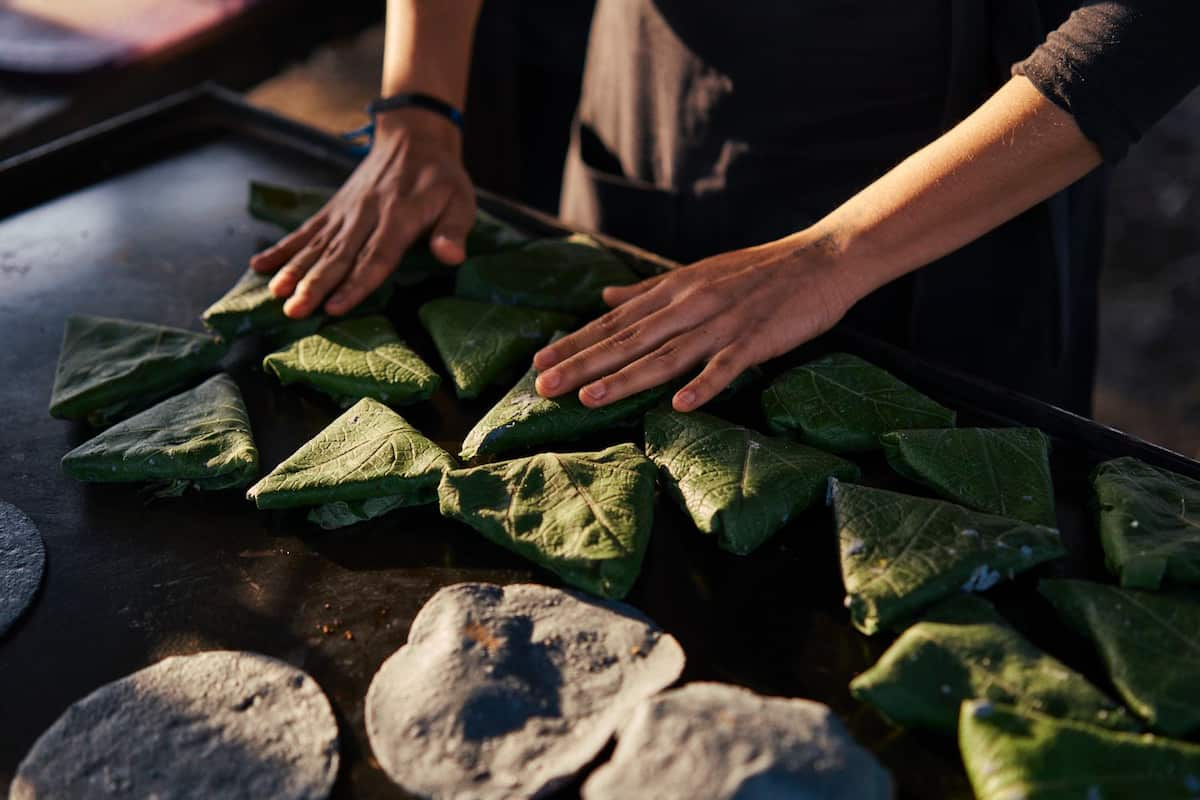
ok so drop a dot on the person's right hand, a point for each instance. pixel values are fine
(411, 183)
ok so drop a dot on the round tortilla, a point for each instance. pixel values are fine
(217, 724)
(710, 741)
(22, 560)
(506, 692)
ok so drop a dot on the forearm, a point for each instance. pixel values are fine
(428, 47)
(1013, 152)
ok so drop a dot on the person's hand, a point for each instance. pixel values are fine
(411, 183)
(733, 311)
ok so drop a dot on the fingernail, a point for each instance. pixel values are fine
(596, 391)
(550, 380)
(543, 359)
(685, 398)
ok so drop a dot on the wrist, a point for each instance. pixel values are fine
(418, 123)
(824, 254)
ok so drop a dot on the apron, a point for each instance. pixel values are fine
(705, 127)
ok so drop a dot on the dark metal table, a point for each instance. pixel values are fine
(145, 218)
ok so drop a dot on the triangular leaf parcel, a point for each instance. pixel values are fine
(481, 342)
(1149, 523)
(111, 368)
(367, 462)
(199, 438)
(843, 404)
(900, 553)
(584, 516)
(353, 359)
(523, 418)
(734, 482)
(925, 675)
(250, 308)
(1004, 471)
(1010, 753)
(1148, 641)
(554, 274)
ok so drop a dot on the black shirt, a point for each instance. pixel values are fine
(1118, 67)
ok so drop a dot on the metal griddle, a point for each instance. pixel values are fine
(144, 217)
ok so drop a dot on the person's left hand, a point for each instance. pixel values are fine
(733, 310)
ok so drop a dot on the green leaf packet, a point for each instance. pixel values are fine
(283, 206)
(900, 553)
(963, 649)
(1149, 642)
(198, 439)
(523, 418)
(1149, 523)
(843, 404)
(584, 516)
(356, 358)
(1010, 753)
(734, 482)
(111, 368)
(365, 463)
(250, 308)
(481, 342)
(1004, 471)
(554, 274)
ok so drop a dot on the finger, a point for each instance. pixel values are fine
(334, 263)
(719, 372)
(282, 251)
(616, 295)
(601, 328)
(629, 343)
(449, 239)
(396, 232)
(284, 282)
(667, 361)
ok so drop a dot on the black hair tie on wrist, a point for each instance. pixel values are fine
(417, 100)
(396, 101)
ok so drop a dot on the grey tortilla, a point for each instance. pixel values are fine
(22, 560)
(507, 692)
(710, 741)
(217, 724)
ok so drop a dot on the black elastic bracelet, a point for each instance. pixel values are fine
(416, 100)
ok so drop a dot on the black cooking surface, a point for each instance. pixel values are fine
(157, 233)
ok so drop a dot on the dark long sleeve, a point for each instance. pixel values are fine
(1118, 67)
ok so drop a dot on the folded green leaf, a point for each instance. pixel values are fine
(900, 553)
(735, 482)
(480, 342)
(523, 418)
(842, 403)
(288, 208)
(1149, 642)
(356, 358)
(1003, 471)
(554, 274)
(250, 308)
(200, 438)
(110, 368)
(1010, 754)
(1149, 523)
(926, 674)
(584, 516)
(369, 460)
